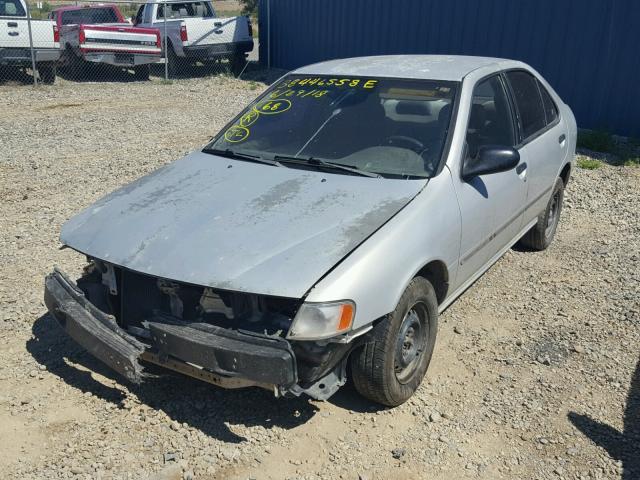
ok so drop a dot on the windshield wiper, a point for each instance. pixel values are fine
(228, 153)
(323, 164)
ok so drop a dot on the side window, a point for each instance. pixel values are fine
(490, 122)
(550, 108)
(528, 101)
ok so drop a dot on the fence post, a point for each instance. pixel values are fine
(31, 49)
(269, 33)
(166, 43)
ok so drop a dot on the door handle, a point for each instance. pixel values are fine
(12, 24)
(14, 34)
(521, 168)
(562, 138)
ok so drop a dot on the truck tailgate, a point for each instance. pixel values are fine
(209, 31)
(120, 38)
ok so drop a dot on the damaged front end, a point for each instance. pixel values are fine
(230, 339)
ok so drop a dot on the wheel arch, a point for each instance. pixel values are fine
(565, 173)
(437, 273)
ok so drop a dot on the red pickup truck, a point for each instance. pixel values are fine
(100, 34)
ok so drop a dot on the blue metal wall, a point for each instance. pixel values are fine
(589, 50)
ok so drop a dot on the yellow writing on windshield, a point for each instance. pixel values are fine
(298, 93)
(236, 134)
(333, 82)
(273, 107)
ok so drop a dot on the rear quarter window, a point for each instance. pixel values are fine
(528, 102)
(550, 108)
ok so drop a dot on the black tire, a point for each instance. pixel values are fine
(141, 72)
(175, 63)
(543, 232)
(238, 61)
(74, 67)
(390, 366)
(47, 73)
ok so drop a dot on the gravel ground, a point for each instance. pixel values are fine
(533, 374)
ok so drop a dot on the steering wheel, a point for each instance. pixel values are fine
(413, 144)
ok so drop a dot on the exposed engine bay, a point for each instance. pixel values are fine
(135, 298)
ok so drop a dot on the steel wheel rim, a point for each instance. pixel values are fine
(553, 215)
(411, 343)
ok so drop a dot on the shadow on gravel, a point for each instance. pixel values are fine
(348, 398)
(97, 73)
(14, 76)
(625, 445)
(182, 398)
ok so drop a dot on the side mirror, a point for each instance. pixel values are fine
(133, 20)
(490, 159)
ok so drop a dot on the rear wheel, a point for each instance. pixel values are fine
(543, 232)
(238, 62)
(141, 72)
(74, 67)
(389, 368)
(47, 73)
(175, 63)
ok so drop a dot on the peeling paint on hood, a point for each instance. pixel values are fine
(237, 225)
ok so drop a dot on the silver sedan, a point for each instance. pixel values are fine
(330, 222)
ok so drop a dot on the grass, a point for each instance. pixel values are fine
(626, 153)
(589, 163)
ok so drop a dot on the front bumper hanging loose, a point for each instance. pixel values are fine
(227, 358)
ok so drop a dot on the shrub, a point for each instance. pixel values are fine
(249, 7)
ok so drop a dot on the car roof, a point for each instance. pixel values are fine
(423, 67)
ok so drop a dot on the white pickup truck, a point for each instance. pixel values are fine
(194, 33)
(100, 34)
(15, 45)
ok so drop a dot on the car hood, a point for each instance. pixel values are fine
(236, 225)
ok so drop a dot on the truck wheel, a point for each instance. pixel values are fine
(175, 63)
(542, 233)
(390, 366)
(47, 73)
(141, 72)
(73, 66)
(238, 61)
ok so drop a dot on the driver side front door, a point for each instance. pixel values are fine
(490, 205)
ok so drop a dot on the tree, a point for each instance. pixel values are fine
(249, 7)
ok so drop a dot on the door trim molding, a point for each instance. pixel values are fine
(501, 228)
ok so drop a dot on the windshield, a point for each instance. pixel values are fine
(391, 127)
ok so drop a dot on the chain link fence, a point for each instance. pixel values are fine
(47, 42)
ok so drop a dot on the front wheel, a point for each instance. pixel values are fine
(543, 232)
(390, 366)
(47, 73)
